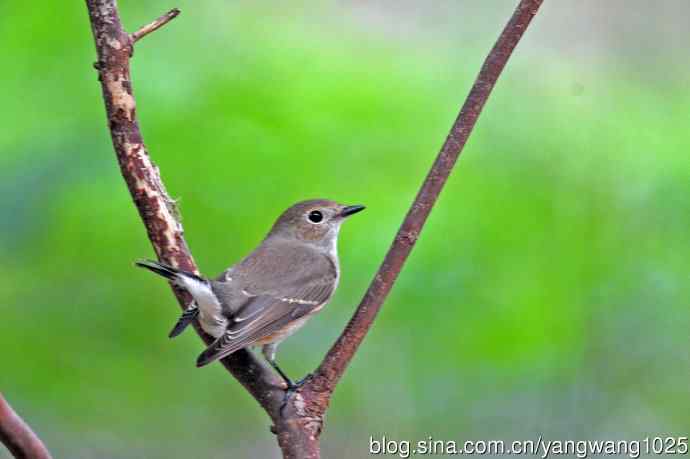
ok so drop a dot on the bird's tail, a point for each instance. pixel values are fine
(190, 281)
(167, 271)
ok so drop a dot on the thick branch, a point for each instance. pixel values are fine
(319, 390)
(157, 210)
(159, 213)
(17, 436)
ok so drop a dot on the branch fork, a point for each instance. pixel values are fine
(299, 427)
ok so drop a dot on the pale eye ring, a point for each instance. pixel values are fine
(315, 216)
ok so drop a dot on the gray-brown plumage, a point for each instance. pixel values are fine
(272, 292)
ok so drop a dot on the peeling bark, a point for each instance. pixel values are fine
(156, 208)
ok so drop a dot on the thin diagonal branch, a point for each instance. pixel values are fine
(320, 388)
(17, 436)
(155, 25)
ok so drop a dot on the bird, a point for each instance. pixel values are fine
(272, 292)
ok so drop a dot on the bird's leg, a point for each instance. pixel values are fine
(269, 351)
(282, 374)
(301, 382)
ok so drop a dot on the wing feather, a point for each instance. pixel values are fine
(264, 315)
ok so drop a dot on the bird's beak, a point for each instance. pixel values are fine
(350, 210)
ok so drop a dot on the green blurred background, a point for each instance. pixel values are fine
(549, 293)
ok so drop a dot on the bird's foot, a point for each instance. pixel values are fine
(291, 389)
(302, 381)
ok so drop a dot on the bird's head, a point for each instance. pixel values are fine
(315, 221)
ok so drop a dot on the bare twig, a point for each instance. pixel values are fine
(155, 25)
(17, 436)
(299, 427)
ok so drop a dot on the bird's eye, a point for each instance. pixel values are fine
(315, 216)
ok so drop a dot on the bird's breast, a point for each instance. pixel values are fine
(289, 329)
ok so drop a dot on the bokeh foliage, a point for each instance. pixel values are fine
(548, 293)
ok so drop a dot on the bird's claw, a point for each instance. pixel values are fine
(291, 389)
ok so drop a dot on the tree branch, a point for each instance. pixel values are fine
(317, 393)
(17, 436)
(157, 210)
(299, 427)
(155, 25)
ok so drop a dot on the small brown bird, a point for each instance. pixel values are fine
(271, 293)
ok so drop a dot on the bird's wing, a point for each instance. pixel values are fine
(264, 314)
